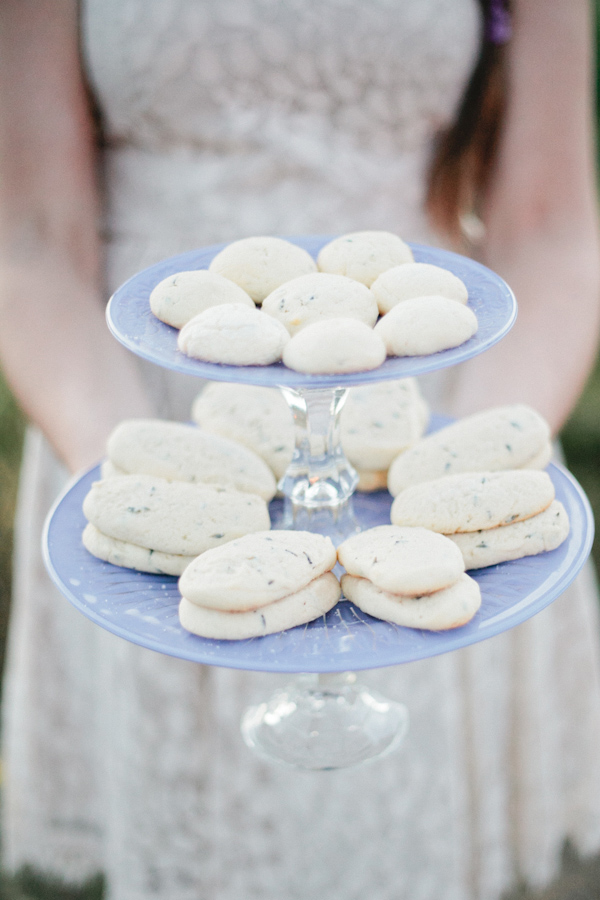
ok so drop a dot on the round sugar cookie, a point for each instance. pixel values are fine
(131, 556)
(181, 452)
(505, 437)
(234, 335)
(473, 501)
(334, 346)
(313, 601)
(257, 569)
(416, 280)
(408, 561)
(257, 417)
(260, 264)
(538, 534)
(312, 298)
(424, 325)
(172, 516)
(449, 608)
(178, 298)
(379, 421)
(364, 255)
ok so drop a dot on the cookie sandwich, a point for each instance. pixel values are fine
(258, 585)
(491, 517)
(409, 576)
(147, 523)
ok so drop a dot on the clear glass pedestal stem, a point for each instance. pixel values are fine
(319, 482)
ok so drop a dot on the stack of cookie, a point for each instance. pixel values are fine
(449, 482)
(320, 318)
(258, 585)
(491, 517)
(408, 576)
(147, 523)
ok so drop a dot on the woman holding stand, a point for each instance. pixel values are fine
(249, 117)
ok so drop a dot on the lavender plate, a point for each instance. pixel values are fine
(133, 324)
(143, 608)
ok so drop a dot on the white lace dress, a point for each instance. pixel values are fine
(224, 119)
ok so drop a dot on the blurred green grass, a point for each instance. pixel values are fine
(581, 444)
(12, 427)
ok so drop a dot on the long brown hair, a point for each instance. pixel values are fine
(464, 153)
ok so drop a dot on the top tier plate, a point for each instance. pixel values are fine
(134, 325)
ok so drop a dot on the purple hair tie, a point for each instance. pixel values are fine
(498, 26)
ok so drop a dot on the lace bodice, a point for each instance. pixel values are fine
(249, 116)
(233, 75)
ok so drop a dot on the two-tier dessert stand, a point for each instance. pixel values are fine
(325, 719)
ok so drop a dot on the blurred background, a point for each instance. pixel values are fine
(580, 879)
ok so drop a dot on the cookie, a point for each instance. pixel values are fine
(542, 459)
(257, 417)
(313, 601)
(474, 500)
(260, 264)
(109, 470)
(364, 255)
(424, 325)
(180, 452)
(416, 280)
(257, 569)
(506, 437)
(540, 533)
(449, 608)
(334, 346)
(131, 556)
(178, 298)
(379, 421)
(233, 335)
(368, 482)
(319, 296)
(407, 561)
(172, 516)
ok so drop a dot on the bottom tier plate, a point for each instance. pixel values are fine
(143, 608)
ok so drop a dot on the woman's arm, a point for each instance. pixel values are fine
(541, 218)
(70, 376)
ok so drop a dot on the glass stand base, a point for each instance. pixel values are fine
(325, 722)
